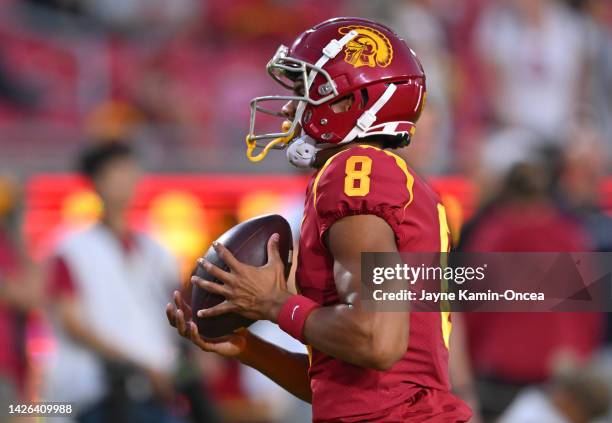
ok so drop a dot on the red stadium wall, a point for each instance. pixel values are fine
(186, 212)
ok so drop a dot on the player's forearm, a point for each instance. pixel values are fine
(352, 335)
(287, 369)
(346, 331)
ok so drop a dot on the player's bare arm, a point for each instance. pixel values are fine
(288, 369)
(346, 331)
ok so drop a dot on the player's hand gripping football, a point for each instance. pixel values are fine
(179, 315)
(257, 293)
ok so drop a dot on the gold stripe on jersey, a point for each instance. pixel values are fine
(316, 181)
(401, 163)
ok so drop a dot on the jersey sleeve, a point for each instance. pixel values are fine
(363, 180)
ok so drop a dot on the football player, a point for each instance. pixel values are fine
(357, 92)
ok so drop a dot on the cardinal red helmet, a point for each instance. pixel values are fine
(336, 59)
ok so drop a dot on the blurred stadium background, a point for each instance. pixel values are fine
(513, 84)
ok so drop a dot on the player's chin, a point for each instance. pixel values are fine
(298, 132)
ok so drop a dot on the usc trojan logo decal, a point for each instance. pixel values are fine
(369, 48)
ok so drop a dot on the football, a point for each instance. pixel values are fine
(248, 243)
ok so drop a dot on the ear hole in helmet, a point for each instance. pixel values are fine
(343, 104)
(364, 99)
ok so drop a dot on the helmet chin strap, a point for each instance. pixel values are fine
(303, 150)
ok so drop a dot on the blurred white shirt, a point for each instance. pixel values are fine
(538, 69)
(532, 406)
(122, 297)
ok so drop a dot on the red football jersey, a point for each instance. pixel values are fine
(368, 180)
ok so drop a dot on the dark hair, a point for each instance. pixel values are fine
(97, 156)
(535, 178)
(388, 141)
(394, 141)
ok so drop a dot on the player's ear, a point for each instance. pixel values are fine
(273, 253)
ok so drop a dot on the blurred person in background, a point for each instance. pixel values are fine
(114, 357)
(512, 350)
(582, 172)
(20, 293)
(420, 24)
(533, 57)
(577, 396)
(599, 39)
(602, 364)
(583, 169)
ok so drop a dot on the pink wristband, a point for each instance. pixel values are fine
(293, 314)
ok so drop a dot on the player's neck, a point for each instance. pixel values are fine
(324, 155)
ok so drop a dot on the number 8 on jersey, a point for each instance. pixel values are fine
(357, 180)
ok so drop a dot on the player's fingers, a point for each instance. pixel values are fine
(216, 271)
(226, 255)
(192, 330)
(201, 342)
(212, 287)
(273, 252)
(180, 323)
(219, 309)
(178, 300)
(181, 304)
(170, 314)
(194, 337)
(184, 305)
